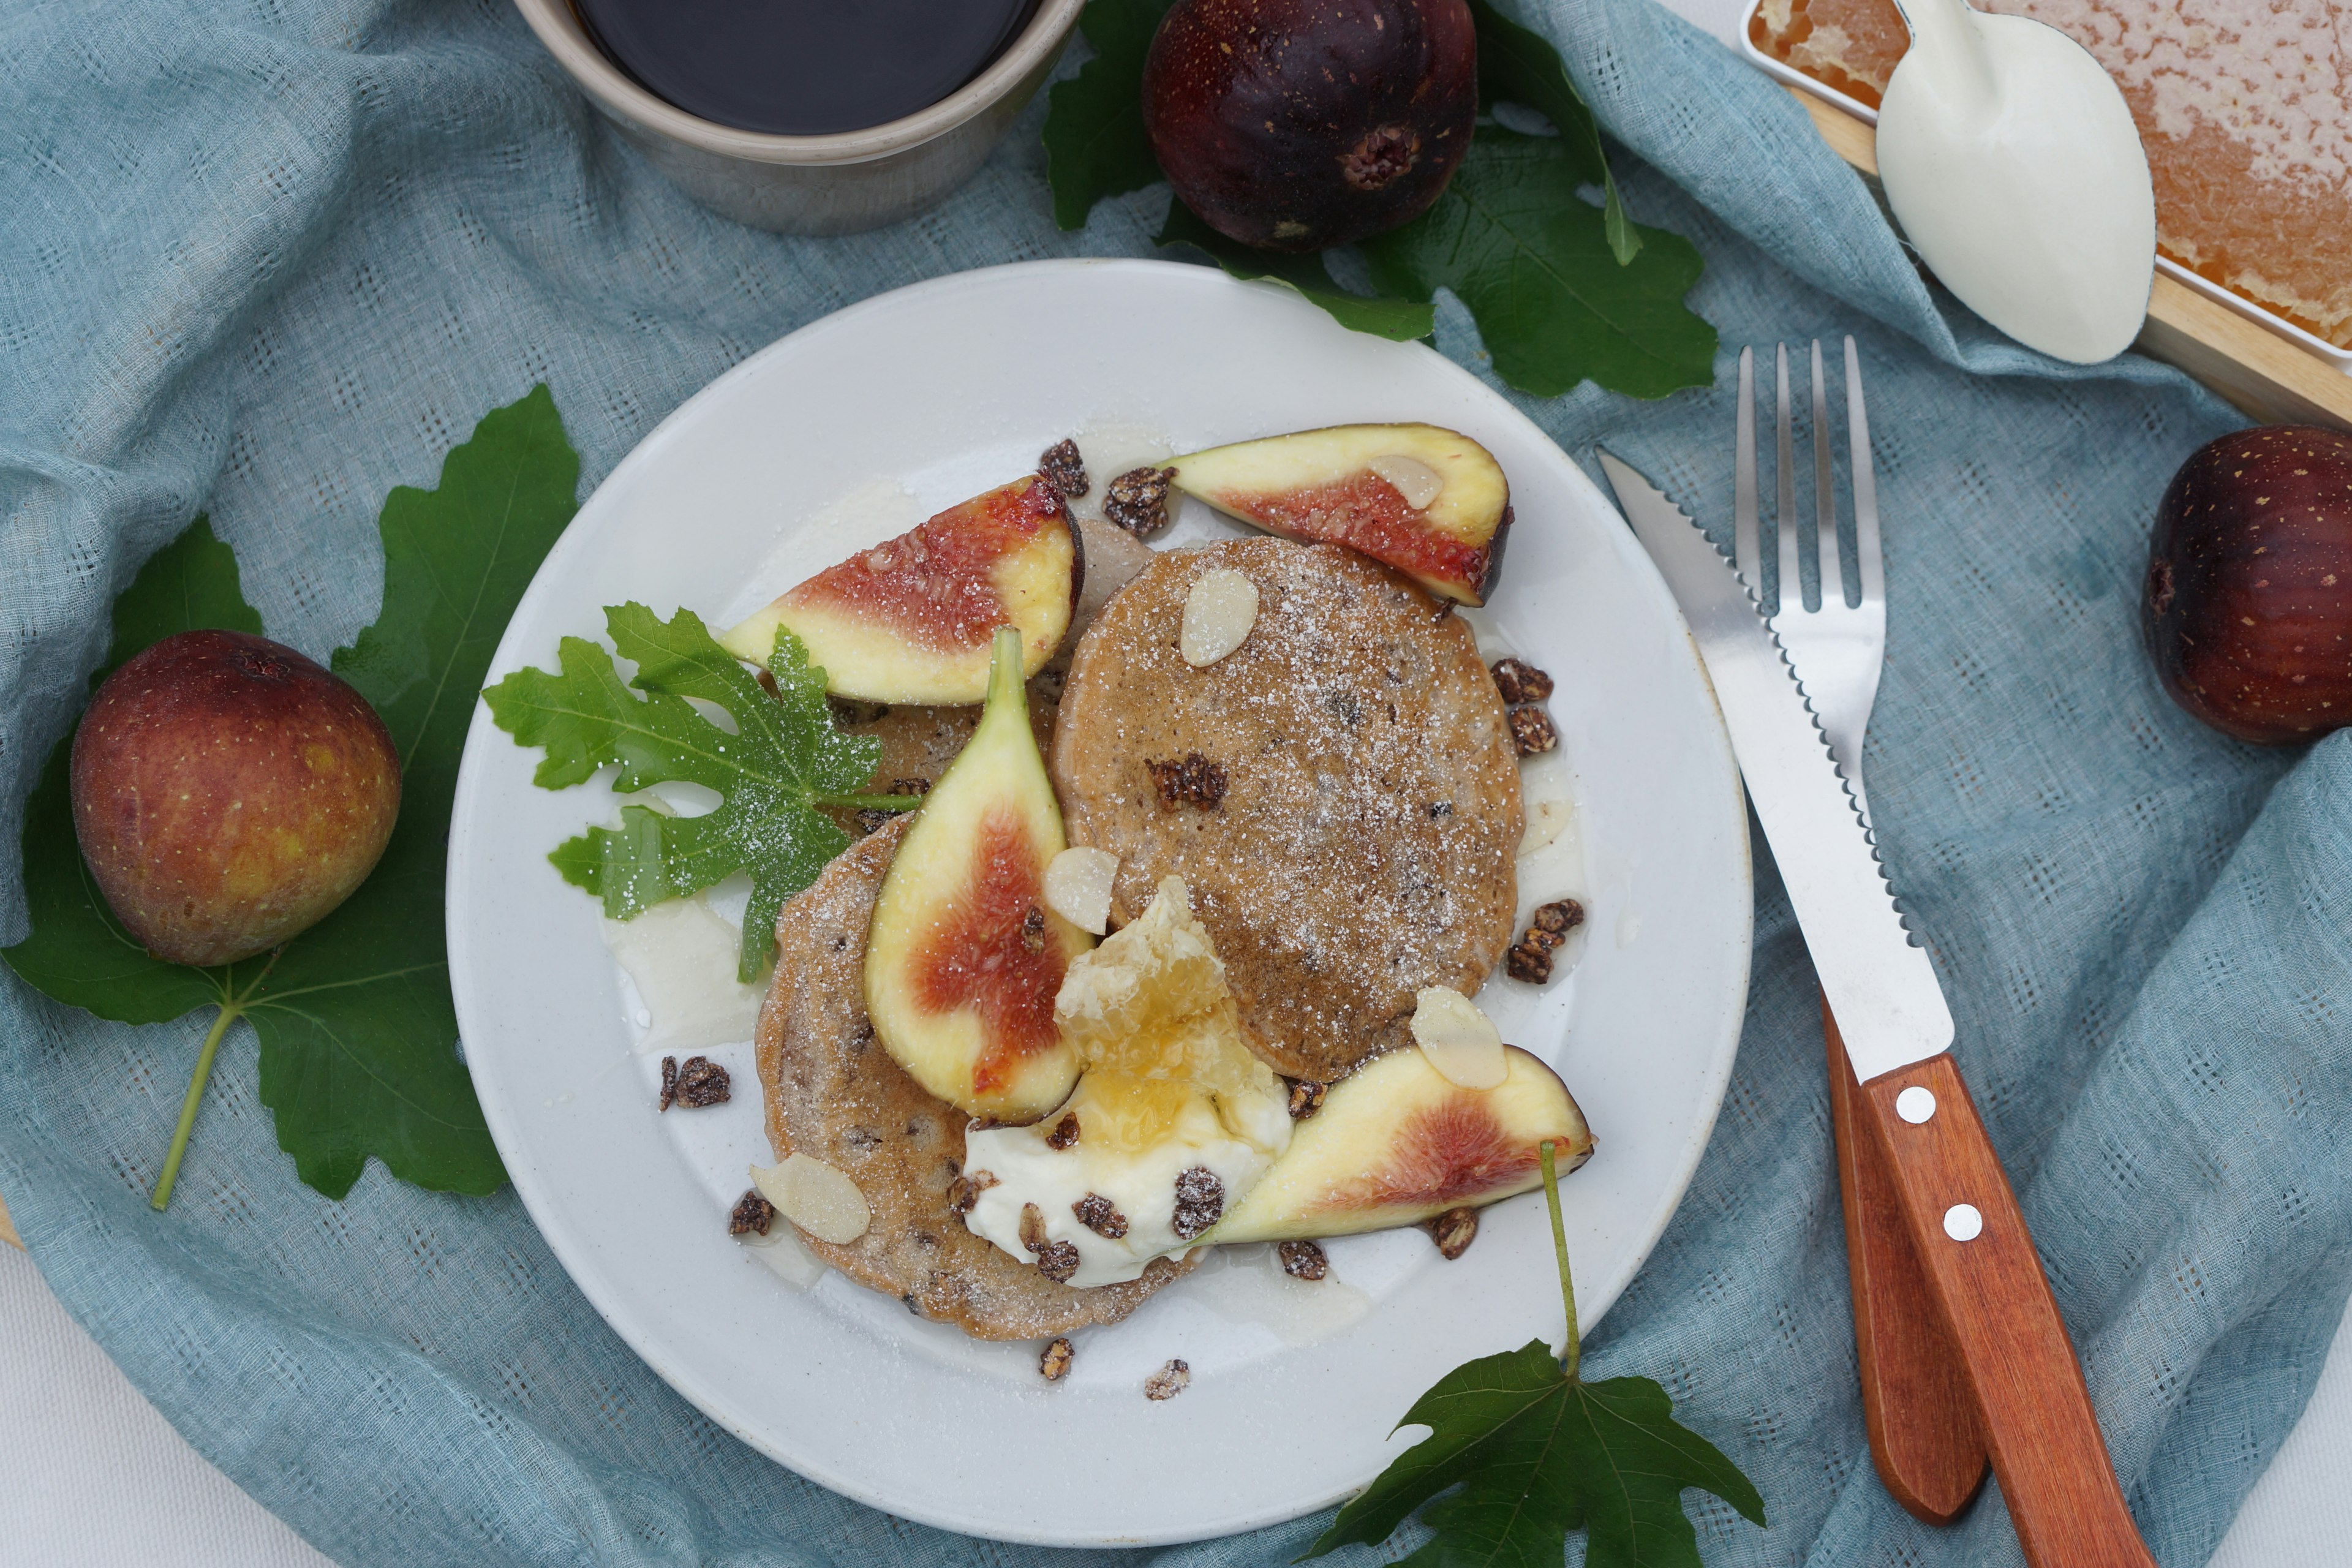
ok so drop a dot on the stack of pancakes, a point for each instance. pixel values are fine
(1364, 847)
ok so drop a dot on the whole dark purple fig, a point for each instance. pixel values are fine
(1298, 125)
(2249, 604)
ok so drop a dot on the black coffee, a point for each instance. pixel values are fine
(803, 68)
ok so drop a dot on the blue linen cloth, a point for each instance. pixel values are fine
(269, 259)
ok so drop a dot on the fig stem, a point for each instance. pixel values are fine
(870, 802)
(229, 1012)
(1008, 682)
(1573, 1350)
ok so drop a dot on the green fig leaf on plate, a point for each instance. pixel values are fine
(784, 760)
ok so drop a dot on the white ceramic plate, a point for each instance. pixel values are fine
(902, 405)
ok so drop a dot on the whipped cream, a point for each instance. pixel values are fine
(1171, 1122)
(1139, 1185)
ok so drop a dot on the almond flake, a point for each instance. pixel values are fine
(819, 1198)
(1077, 887)
(1461, 1042)
(1414, 480)
(1218, 614)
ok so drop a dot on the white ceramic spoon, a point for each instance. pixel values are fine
(2014, 166)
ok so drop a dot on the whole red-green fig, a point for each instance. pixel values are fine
(1298, 125)
(228, 793)
(2249, 601)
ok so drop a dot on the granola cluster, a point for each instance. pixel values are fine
(751, 1215)
(1200, 1201)
(1454, 1231)
(1524, 688)
(1099, 1214)
(1520, 681)
(699, 1082)
(1531, 958)
(1061, 467)
(1056, 1260)
(1190, 780)
(1137, 500)
(1304, 1261)
(965, 1190)
(1169, 1382)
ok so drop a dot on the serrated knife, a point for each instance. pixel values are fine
(1979, 1260)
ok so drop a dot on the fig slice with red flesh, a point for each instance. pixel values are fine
(1396, 1144)
(911, 620)
(1429, 501)
(965, 957)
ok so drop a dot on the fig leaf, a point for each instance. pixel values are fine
(784, 760)
(1516, 64)
(1532, 260)
(1095, 145)
(1536, 1451)
(1510, 237)
(1385, 317)
(357, 1034)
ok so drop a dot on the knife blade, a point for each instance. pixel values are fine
(1883, 988)
(1982, 1270)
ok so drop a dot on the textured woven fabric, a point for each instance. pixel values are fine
(269, 259)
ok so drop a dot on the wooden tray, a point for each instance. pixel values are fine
(2261, 372)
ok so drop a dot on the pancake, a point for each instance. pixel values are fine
(834, 1093)
(1366, 841)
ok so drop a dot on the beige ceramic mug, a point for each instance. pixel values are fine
(816, 184)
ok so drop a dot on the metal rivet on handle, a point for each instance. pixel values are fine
(1915, 1104)
(1962, 1223)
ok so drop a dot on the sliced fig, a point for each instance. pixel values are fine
(911, 620)
(1429, 501)
(965, 956)
(1396, 1143)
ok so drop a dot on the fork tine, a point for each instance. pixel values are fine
(1825, 494)
(1870, 566)
(1791, 588)
(1746, 530)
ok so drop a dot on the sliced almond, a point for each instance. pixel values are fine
(1077, 887)
(1461, 1042)
(819, 1198)
(1218, 614)
(1414, 480)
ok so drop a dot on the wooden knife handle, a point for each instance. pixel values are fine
(1915, 1401)
(1995, 1303)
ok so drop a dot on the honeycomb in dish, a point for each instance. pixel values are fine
(2245, 107)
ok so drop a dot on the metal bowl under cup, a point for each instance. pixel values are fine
(836, 183)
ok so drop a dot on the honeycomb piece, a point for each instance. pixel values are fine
(2244, 106)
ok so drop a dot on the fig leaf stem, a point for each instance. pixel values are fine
(230, 1011)
(870, 802)
(1572, 1350)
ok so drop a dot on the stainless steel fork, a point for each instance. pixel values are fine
(1839, 648)
(1923, 1437)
